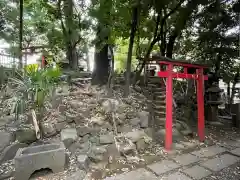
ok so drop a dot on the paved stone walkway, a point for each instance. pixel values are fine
(192, 166)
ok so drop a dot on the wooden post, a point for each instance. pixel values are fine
(200, 102)
(169, 108)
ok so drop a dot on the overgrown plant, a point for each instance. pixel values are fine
(34, 88)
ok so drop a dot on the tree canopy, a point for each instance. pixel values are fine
(206, 31)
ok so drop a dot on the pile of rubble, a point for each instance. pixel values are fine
(87, 126)
(93, 127)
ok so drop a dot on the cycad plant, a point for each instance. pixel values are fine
(34, 87)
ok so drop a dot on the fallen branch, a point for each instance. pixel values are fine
(35, 124)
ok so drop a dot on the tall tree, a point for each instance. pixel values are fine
(103, 30)
(135, 15)
(20, 33)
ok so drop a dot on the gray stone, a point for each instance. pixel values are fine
(30, 159)
(94, 139)
(26, 136)
(79, 175)
(186, 159)
(59, 126)
(135, 121)
(70, 117)
(127, 149)
(113, 151)
(140, 174)
(10, 151)
(97, 154)
(5, 139)
(83, 162)
(141, 145)
(197, 172)
(97, 120)
(134, 136)
(83, 130)
(143, 118)
(68, 136)
(106, 139)
(74, 147)
(7, 119)
(236, 151)
(209, 151)
(124, 129)
(163, 166)
(48, 129)
(220, 162)
(177, 176)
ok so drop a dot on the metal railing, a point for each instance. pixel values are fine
(7, 60)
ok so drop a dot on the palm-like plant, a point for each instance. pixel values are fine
(33, 89)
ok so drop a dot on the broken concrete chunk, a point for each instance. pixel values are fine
(134, 136)
(83, 162)
(48, 129)
(68, 136)
(26, 136)
(10, 151)
(30, 159)
(106, 139)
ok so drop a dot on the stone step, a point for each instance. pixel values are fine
(159, 103)
(160, 113)
(159, 107)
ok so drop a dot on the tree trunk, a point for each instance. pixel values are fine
(170, 46)
(130, 49)
(228, 92)
(88, 61)
(20, 34)
(70, 31)
(111, 75)
(101, 66)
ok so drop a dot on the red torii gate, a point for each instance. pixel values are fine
(169, 74)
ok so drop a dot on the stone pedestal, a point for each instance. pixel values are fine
(235, 108)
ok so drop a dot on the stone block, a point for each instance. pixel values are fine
(186, 159)
(236, 151)
(10, 151)
(68, 136)
(5, 139)
(83, 162)
(220, 162)
(209, 151)
(106, 139)
(30, 159)
(197, 172)
(176, 176)
(163, 166)
(140, 174)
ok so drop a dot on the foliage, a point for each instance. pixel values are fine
(35, 87)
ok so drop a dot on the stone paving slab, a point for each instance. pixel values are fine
(197, 172)
(209, 151)
(236, 151)
(140, 174)
(176, 176)
(220, 163)
(186, 159)
(231, 144)
(163, 166)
